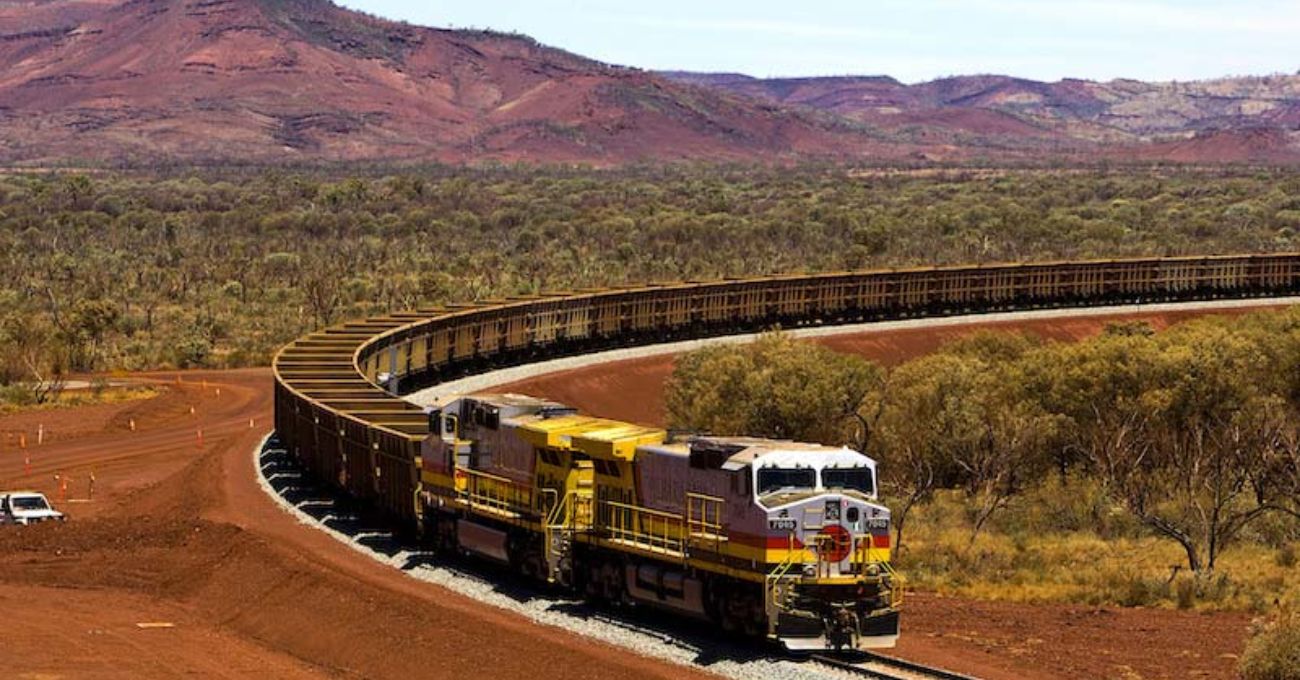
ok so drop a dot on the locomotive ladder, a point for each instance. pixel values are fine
(777, 587)
(570, 515)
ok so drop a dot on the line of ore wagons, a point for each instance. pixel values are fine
(332, 413)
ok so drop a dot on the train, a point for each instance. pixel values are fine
(339, 410)
(775, 539)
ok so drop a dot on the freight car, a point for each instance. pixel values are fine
(773, 538)
(336, 390)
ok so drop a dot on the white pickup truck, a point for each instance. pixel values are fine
(26, 507)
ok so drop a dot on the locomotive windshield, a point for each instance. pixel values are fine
(772, 479)
(849, 479)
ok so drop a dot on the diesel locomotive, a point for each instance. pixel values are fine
(772, 538)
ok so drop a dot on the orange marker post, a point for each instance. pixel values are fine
(133, 424)
(200, 437)
(27, 463)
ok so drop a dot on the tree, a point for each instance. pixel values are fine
(32, 353)
(773, 387)
(911, 462)
(322, 286)
(960, 418)
(1180, 429)
(92, 321)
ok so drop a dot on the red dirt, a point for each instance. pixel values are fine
(1009, 641)
(182, 534)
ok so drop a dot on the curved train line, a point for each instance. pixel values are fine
(338, 408)
(336, 390)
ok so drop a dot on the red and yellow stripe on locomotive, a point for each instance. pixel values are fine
(773, 538)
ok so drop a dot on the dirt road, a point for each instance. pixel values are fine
(179, 533)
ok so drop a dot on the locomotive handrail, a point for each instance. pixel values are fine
(704, 513)
(337, 408)
(485, 490)
(643, 527)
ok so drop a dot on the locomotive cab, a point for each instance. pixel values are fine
(830, 584)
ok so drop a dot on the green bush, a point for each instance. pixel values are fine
(1274, 652)
(16, 395)
(1286, 556)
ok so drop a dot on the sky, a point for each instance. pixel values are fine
(912, 40)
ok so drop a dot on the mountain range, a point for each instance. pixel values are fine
(283, 81)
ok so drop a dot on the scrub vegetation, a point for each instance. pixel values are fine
(1136, 468)
(1133, 468)
(1274, 653)
(218, 269)
(29, 396)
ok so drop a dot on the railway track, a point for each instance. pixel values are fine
(881, 667)
(340, 411)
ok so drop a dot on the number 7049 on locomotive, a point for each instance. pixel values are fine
(772, 538)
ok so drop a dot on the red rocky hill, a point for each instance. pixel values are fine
(1255, 119)
(304, 80)
(273, 80)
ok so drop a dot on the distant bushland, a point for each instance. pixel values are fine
(218, 268)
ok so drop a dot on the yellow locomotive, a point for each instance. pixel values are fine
(773, 538)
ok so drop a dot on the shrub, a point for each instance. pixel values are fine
(1274, 652)
(192, 351)
(16, 395)
(1286, 556)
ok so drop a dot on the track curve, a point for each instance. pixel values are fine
(337, 391)
(338, 405)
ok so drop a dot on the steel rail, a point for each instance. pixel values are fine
(910, 670)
